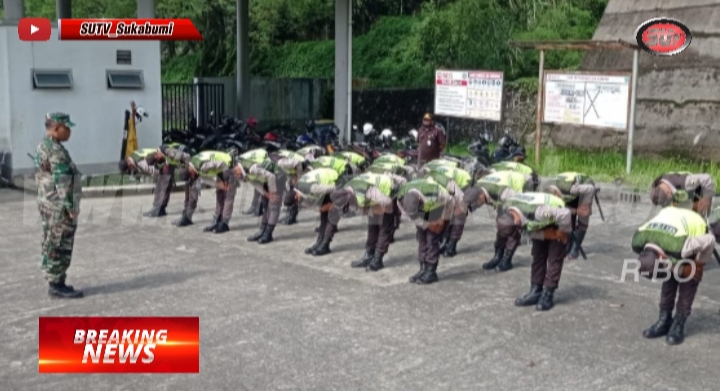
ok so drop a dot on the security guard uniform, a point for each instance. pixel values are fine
(217, 166)
(313, 190)
(294, 165)
(677, 188)
(674, 234)
(456, 181)
(578, 192)
(534, 180)
(267, 177)
(258, 203)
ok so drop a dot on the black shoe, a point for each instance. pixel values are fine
(451, 248)
(495, 261)
(506, 262)
(267, 235)
(222, 228)
(661, 327)
(575, 249)
(376, 263)
(429, 275)
(531, 298)
(676, 335)
(183, 222)
(213, 226)
(365, 260)
(312, 248)
(322, 249)
(257, 235)
(546, 300)
(63, 291)
(415, 277)
(155, 212)
(392, 236)
(291, 217)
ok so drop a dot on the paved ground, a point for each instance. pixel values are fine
(273, 318)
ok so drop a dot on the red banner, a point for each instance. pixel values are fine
(119, 344)
(128, 29)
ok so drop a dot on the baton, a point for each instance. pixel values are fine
(31, 156)
(717, 256)
(582, 252)
(597, 202)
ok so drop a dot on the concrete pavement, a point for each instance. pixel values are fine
(273, 318)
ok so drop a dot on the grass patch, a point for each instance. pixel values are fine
(609, 166)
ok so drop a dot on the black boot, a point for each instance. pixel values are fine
(323, 248)
(429, 275)
(184, 221)
(365, 260)
(222, 228)
(257, 235)
(63, 291)
(156, 212)
(267, 235)
(506, 262)
(213, 226)
(376, 263)
(392, 236)
(292, 215)
(575, 249)
(546, 300)
(493, 263)
(415, 277)
(451, 248)
(676, 335)
(312, 248)
(531, 298)
(661, 327)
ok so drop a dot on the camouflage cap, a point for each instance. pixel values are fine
(60, 118)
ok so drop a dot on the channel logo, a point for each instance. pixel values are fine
(34, 29)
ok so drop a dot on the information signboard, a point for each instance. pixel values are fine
(586, 99)
(469, 94)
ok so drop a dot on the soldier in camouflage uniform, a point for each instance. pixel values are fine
(59, 193)
(674, 234)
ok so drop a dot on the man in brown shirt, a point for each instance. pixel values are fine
(431, 140)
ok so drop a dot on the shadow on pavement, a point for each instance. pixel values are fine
(155, 280)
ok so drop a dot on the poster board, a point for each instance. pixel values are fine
(469, 94)
(587, 99)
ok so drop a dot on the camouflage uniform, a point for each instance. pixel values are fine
(59, 193)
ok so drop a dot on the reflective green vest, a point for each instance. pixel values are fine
(319, 176)
(390, 158)
(443, 175)
(140, 154)
(211, 156)
(296, 157)
(256, 156)
(668, 230)
(267, 164)
(566, 180)
(527, 204)
(498, 181)
(428, 188)
(338, 164)
(513, 166)
(382, 168)
(355, 159)
(362, 183)
(172, 161)
(311, 149)
(440, 163)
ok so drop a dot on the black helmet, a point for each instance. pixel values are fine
(310, 124)
(507, 141)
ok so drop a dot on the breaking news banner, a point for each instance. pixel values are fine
(128, 29)
(119, 345)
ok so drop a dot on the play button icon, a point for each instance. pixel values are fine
(34, 29)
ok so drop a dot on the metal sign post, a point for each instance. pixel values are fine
(633, 98)
(538, 120)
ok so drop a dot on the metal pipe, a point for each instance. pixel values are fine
(633, 98)
(348, 124)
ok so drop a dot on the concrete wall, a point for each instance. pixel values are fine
(97, 110)
(678, 99)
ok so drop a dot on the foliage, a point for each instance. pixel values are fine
(396, 43)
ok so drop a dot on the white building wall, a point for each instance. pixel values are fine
(97, 110)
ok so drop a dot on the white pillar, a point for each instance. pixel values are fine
(243, 58)
(343, 78)
(63, 9)
(14, 9)
(145, 9)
